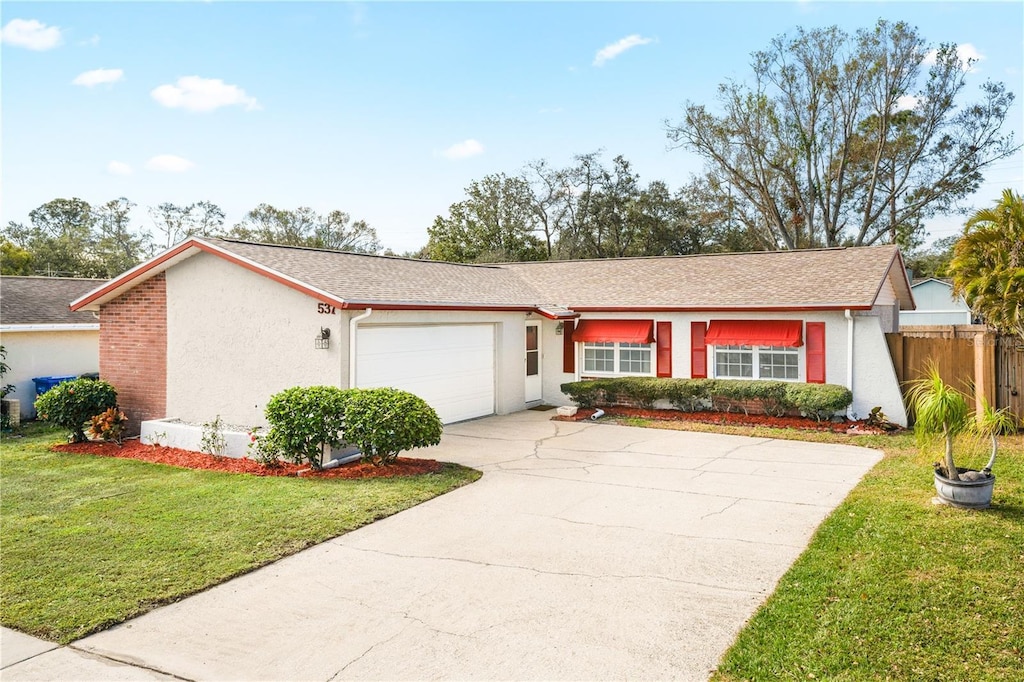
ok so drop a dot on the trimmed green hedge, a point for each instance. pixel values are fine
(819, 401)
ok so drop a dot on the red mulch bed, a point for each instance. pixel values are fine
(158, 454)
(732, 419)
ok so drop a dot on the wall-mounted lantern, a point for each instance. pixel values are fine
(323, 339)
(558, 328)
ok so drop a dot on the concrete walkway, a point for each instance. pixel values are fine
(587, 551)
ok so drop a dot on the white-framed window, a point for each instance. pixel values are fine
(617, 358)
(757, 362)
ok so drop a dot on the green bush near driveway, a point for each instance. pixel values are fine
(819, 401)
(91, 541)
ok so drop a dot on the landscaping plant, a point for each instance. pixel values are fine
(385, 421)
(5, 390)
(304, 421)
(108, 425)
(819, 401)
(72, 404)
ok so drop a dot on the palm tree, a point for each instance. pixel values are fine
(988, 264)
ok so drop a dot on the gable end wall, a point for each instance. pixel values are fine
(133, 350)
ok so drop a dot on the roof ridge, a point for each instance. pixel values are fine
(820, 249)
(296, 247)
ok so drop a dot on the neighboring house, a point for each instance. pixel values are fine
(935, 305)
(216, 327)
(41, 334)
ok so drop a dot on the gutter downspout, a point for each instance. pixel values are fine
(849, 352)
(353, 326)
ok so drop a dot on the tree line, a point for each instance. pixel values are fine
(71, 238)
(836, 139)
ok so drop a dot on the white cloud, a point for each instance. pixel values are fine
(463, 150)
(90, 42)
(31, 34)
(907, 102)
(194, 93)
(119, 168)
(98, 77)
(966, 52)
(609, 52)
(169, 163)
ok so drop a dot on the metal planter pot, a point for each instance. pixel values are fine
(967, 494)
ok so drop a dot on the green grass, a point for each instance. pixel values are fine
(87, 541)
(893, 586)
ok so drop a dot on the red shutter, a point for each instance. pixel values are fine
(815, 338)
(568, 348)
(664, 349)
(698, 351)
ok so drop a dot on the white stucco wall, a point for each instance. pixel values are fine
(47, 353)
(874, 377)
(874, 380)
(235, 338)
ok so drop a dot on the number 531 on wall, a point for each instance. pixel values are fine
(325, 308)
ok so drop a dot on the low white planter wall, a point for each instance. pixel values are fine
(175, 434)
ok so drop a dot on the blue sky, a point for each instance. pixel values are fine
(388, 110)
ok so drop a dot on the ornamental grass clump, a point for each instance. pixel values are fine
(73, 404)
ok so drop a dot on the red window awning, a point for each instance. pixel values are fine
(755, 333)
(621, 331)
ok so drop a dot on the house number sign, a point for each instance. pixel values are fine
(325, 308)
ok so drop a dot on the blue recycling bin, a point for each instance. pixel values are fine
(44, 384)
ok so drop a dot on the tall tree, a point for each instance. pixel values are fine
(14, 260)
(496, 222)
(173, 222)
(819, 146)
(305, 227)
(337, 231)
(119, 247)
(60, 237)
(988, 264)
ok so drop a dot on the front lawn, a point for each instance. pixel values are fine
(893, 586)
(91, 541)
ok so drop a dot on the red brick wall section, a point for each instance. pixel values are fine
(133, 350)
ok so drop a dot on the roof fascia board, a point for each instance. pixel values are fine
(384, 305)
(54, 327)
(825, 307)
(897, 259)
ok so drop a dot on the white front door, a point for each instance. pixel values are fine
(533, 379)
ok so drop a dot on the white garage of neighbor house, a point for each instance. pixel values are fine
(43, 337)
(215, 327)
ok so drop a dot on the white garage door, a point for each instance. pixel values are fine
(449, 366)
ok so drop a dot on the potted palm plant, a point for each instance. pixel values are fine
(941, 410)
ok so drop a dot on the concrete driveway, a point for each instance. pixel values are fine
(586, 551)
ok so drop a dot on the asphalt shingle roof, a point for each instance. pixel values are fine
(44, 300)
(364, 279)
(841, 277)
(819, 278)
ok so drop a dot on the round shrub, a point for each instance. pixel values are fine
(385, 421)
(72, 404)
(819, 401)
(303, 421)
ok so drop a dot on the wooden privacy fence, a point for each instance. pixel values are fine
(971, 358)
(1010, 374)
